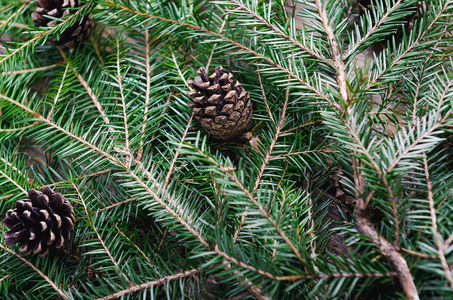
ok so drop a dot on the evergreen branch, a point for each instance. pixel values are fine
(149, 284)
(301, 126)
(160, 244)
(411, 47)
(417, 91)
(437, 237)
(238, 45)
(64, 131)
(147, 92)
(115, 205)
(107, 251)
(13, 182)
(251, 288)
(302, 276)
(88, 90)
(175, 157)
(29, 180)
(365, 227)
(376, 27)
(281, 33)
(168, 208)
(134, 245)
(215, 45)
(280, 125)
(17, 25)
(417, 141)
(265, 98)
(381, 175)
(55, 100)
(119, 78)
(20, 128)
(44, 276)
(34, 70)
(302, 152)
(78, 178)
(18, 11)
(179, 70)
(418, 254)
(164, 110)
(336, 53)
(265, 214)
(5, 196)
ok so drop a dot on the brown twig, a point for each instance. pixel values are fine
(365, 227)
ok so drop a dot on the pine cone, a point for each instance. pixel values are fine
(223, 109)
(41, 222)
(73, 35)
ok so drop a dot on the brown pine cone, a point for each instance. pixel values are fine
(223, 109)
(41, 222)
(72, 36)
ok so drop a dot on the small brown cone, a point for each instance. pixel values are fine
(223, 108)
(39, 223)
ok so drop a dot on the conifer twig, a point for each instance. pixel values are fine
(104, 246)
(149, 284)
(437, 237)
(44, 276)
(268, 157)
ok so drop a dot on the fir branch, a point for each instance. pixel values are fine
(335, 50)
(107, 251)
(149, 284)
(301, 126)
(228, 172)
(55, 100)
(175, 157)
(280, 125)
(119, 78)
(238, 45)
(115, 205)
(419, 38)
(373, 30)
(281, 33)
(41, 35)
(79, 178)
(19, 128)
(147, 92)
(268, 109)
(437, 237)
(37, 270)
(34, 70)
(9, 179)
(18, 12)
(88, 90)
(301, 152)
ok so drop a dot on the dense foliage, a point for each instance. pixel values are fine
(343, 190)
